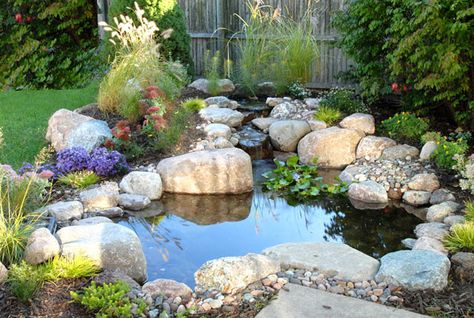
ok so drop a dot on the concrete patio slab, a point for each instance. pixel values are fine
(303, 302)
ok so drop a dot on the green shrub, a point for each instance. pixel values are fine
(24, 279)
(52, 45)
(344, 100)
(80, 179)
(298, 91)
(167, 14)
(194, 105)
(405, 126)
(461, 238)
(447, 151)
(328, 115)
(432, 136)
(425, 46)
(110, 300)
(275, 48)
(299, 181)
(469, 213)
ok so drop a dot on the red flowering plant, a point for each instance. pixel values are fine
(154, 121)
(123, 140)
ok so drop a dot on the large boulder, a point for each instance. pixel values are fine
(229, 117)
(371, 147)
(143, 183)
(441, 195)
(110, 246)
(361, 122)
(368, 191)
(463, 262)
(66, 211)
(232, 274)
(416, 270)
(167, 288)
(349, 263)
(69, 129)
(434, 230)
(225, 86)
(424, 182)
(103, 197)
(333, 147)
(286, 134)
(223, 171)
(400, 152)
(41, 246)
(222, 102)
(438, 212)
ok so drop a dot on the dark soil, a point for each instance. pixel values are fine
(457, 300)
(52, 301)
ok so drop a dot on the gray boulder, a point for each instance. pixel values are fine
(364, 123)
(416, 198)
(434, 230)
(143, 183)
(264, 123)
(368, 191)
(222, 102)
(93, 221)
(232, 274)
(424, 182)
(438, 212)
(371, 147)
(223, 171)
(229, 117)
(3, 274)
(286, 134)
(101, 198)
(66, 211)
(416, 270)
(317, 124)
(41, 246)
(110, 246)
(430, 244)
(134, 202)
(218, 130)
(349, 263)
(167, 288)
(440, 196)
(454, 219)
(225, 86)
(400, 152)
(463, 262)
(89, 135)
(427, 150)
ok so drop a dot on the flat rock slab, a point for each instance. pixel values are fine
(303, 302)
(349, 263)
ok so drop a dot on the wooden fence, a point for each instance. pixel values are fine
(211, 24)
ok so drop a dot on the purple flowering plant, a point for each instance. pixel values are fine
(72, 159)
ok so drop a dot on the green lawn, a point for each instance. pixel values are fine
(24, 117)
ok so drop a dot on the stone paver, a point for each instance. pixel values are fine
(302, 302)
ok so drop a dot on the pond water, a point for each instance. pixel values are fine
(196, 229)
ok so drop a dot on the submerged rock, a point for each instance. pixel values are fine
(333, 147)
(232, 274)
(223, 171)
(348, 263)
(416, 270)
(110, 246)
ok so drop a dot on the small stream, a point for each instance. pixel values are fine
(196, 229)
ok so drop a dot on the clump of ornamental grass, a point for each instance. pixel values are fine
(328, 115)
(194, 104)
(461, 238)
(79, 179)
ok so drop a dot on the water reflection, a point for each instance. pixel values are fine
(199, 228)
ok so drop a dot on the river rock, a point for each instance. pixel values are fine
(440, 196)
(428, 150)
(317, 124)
(223, 171)
(264, 123)
(333, 147)
(454, 219)
(167, 288)
(229, 117)
(134, 202)
(218, 130)
(430, 244)
(415, 270)
(371, 147)
(313, 103)
(103, 197)
(434, 230)
(409, 243)
(273, 101)
(424, 182)
(464, 265)
(70, 129)
(416, 198)
(348, 263)
(225, 86)
(222, 102)
(255, 143)
(110, 246)
(368, 191)
(93, 221)
(66, 211)
(232, 274)
(41, 246)
(3, 273)
(400, 152)
(143, 183)
(348, 175)
(286, 134)
(361, 122)
(438, 212)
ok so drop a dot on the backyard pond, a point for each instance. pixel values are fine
(196, 229)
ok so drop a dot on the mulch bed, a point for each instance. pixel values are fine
(52, 301)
